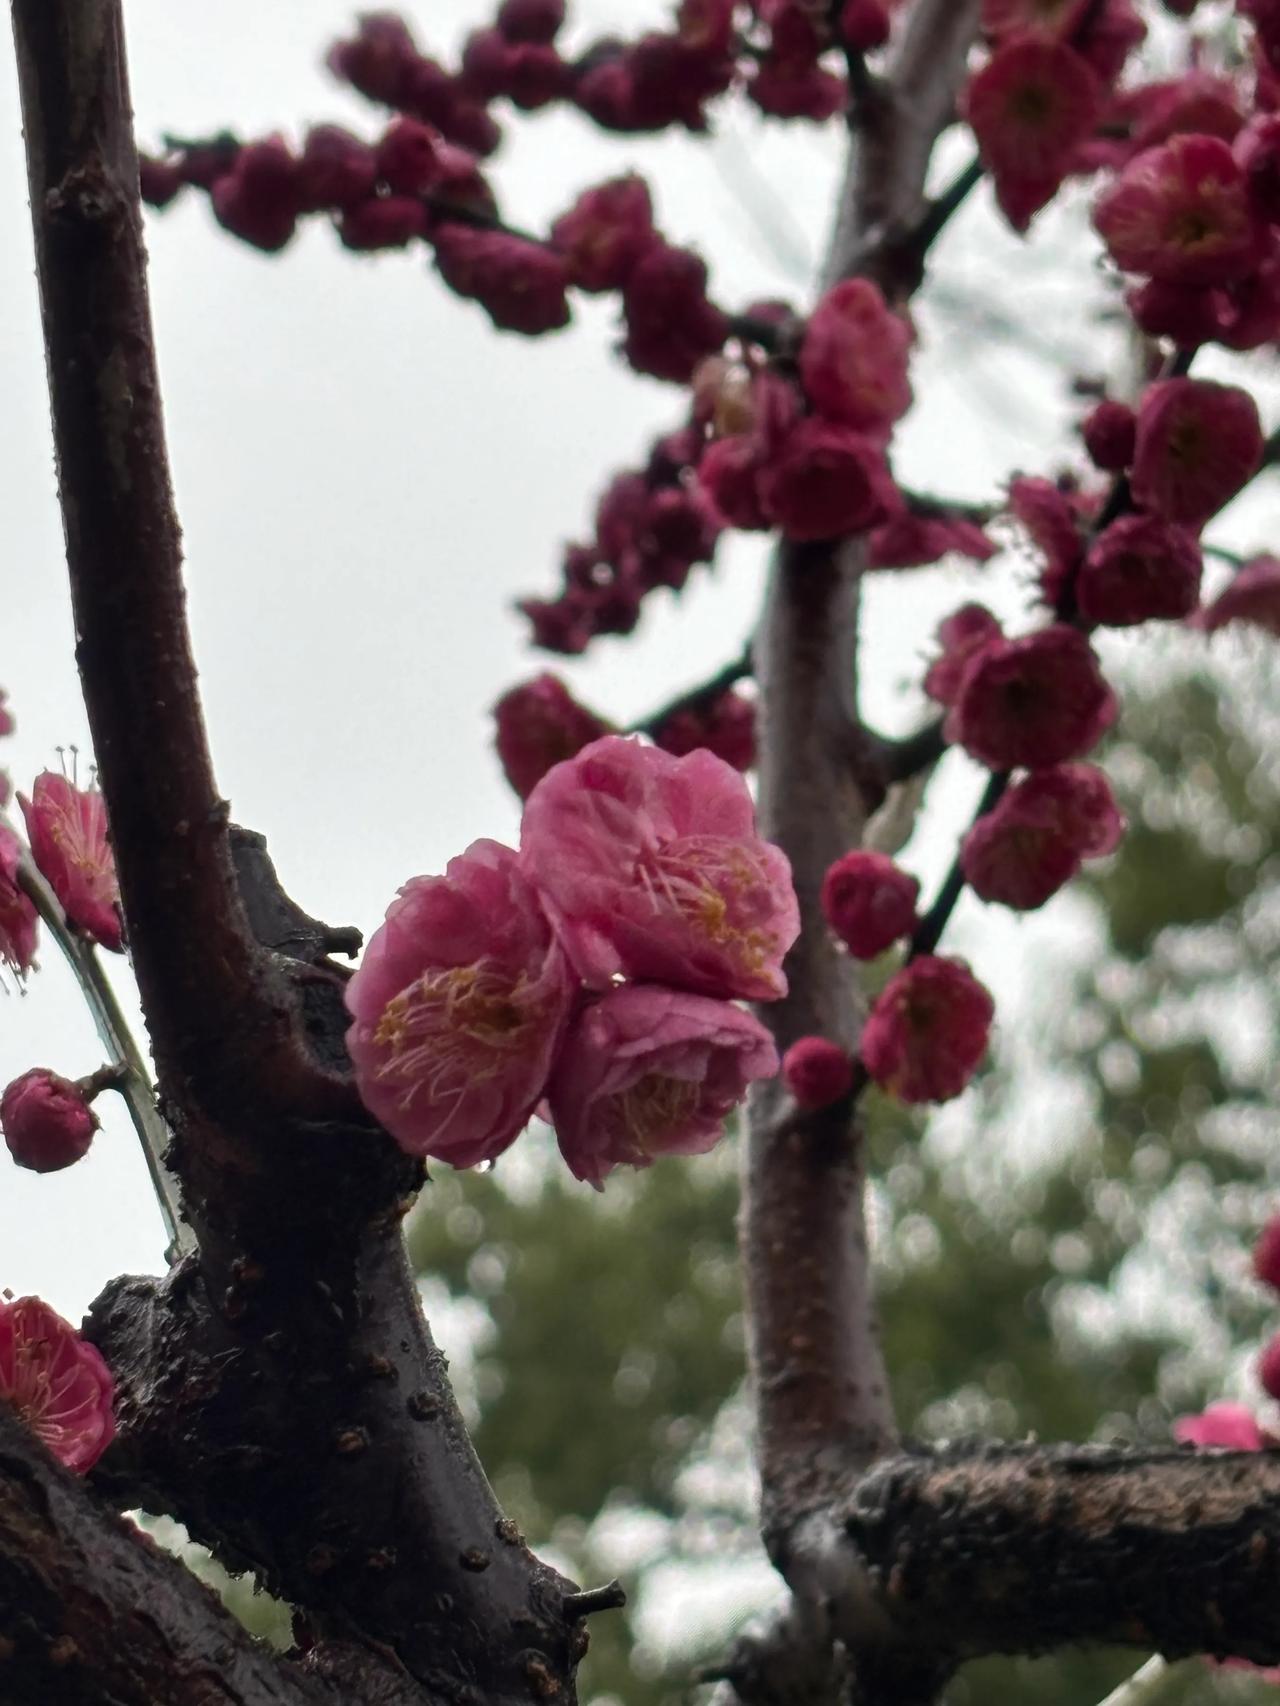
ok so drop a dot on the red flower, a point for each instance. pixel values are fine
(1181, 213)
(729, 473)
(869, 902)
(46, 1120)
(67, 829)
(1253, 596)
(1032, 702)
(853, 361)
(1031, 106)
(1034, 840)
(928, 1030)
(960, 635)
(521, 285)
(1140, 568)
(1197, 445)
(727, 727)
(259, 199)
(671, 322)
(57, 1382)
(539, 724)
(817, 1072)
(1108, 432)
(606, 233)
(825, 482)
(18, 917)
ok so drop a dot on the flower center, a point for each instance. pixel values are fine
(655, 1106)
(455, 1027)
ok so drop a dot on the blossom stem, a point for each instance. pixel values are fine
(935, 921)
(133, 1080)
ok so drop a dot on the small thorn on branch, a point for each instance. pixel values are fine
(611, 1597)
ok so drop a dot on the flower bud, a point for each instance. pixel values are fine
(817, 1072)
(47, 1122)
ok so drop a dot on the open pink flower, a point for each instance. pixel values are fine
(646, 1071)
(1181, 213)
(457, 1008)
(650, 867)
(853, 361)
(1032, 842)
(928, 1030)
(826, 482)
(1031, 702)
(1198, 443)
(67, 828)
(537, 725)
(47, 1122)
(1252, 596)
(57, 1382)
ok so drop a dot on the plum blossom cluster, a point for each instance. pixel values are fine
(56, 1381)
(593, 972)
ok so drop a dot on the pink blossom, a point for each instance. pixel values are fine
(817, 1072)
(646, 1071)
(729, 473)
(1051, 518)
(1180, 213)
(864, 25)
(47, 1122)
(606, 233)
(1034, 840)
(869, 902)
(1252, 595)
(520, 285)
(408, 158)
(825, 482)
(1266, 1254)
(1225, 1426)
(1139, 569)
(1198, 443)
(530, 20)
(458, 1007)
(67, 829)
(671, 321)
(1257, 153)
(537, 725)
(853, 361)
(1031, 702)
(259, 199)
(650, 867)
(336, 169)
(1031, 106)
(18, 917)
(57, 1382)
(960, 636)
(726, 727)
(928, 1030)
(1108, 431)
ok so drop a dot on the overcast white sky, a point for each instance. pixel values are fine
(367, 476)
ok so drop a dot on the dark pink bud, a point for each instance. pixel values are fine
(47, 1121)
(461, 183)
(408, 159)
(1037, 836)
(869, 902)
(383, 222)
(1197, 445)
(928, 1030)
(1031, 106)
(1031, 702)
(959, 635)
(853, 361)
(1189, 314)
(530, 20)
(521, 285)
(70, 843)
(538, 725)
(258, 200)
(1139, 569)
(864, 25)
(796, 89)
(671, 322)
(730, 472)
(606, 232)
(1109, 431)
(377, 60)
(727, 727)
(817, 1072)
(1266, 1254)
(159, 181)
(57, 1382)
(1269, 1367)
(1180, 213)
(336, 169)
(826, 482)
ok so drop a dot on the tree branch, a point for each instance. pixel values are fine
(91, 1609)
(697, 698)
(213, 1010)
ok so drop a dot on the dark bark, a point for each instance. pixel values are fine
(92, 1610)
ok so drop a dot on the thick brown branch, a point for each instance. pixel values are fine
(91, 1610)
(206, 990)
